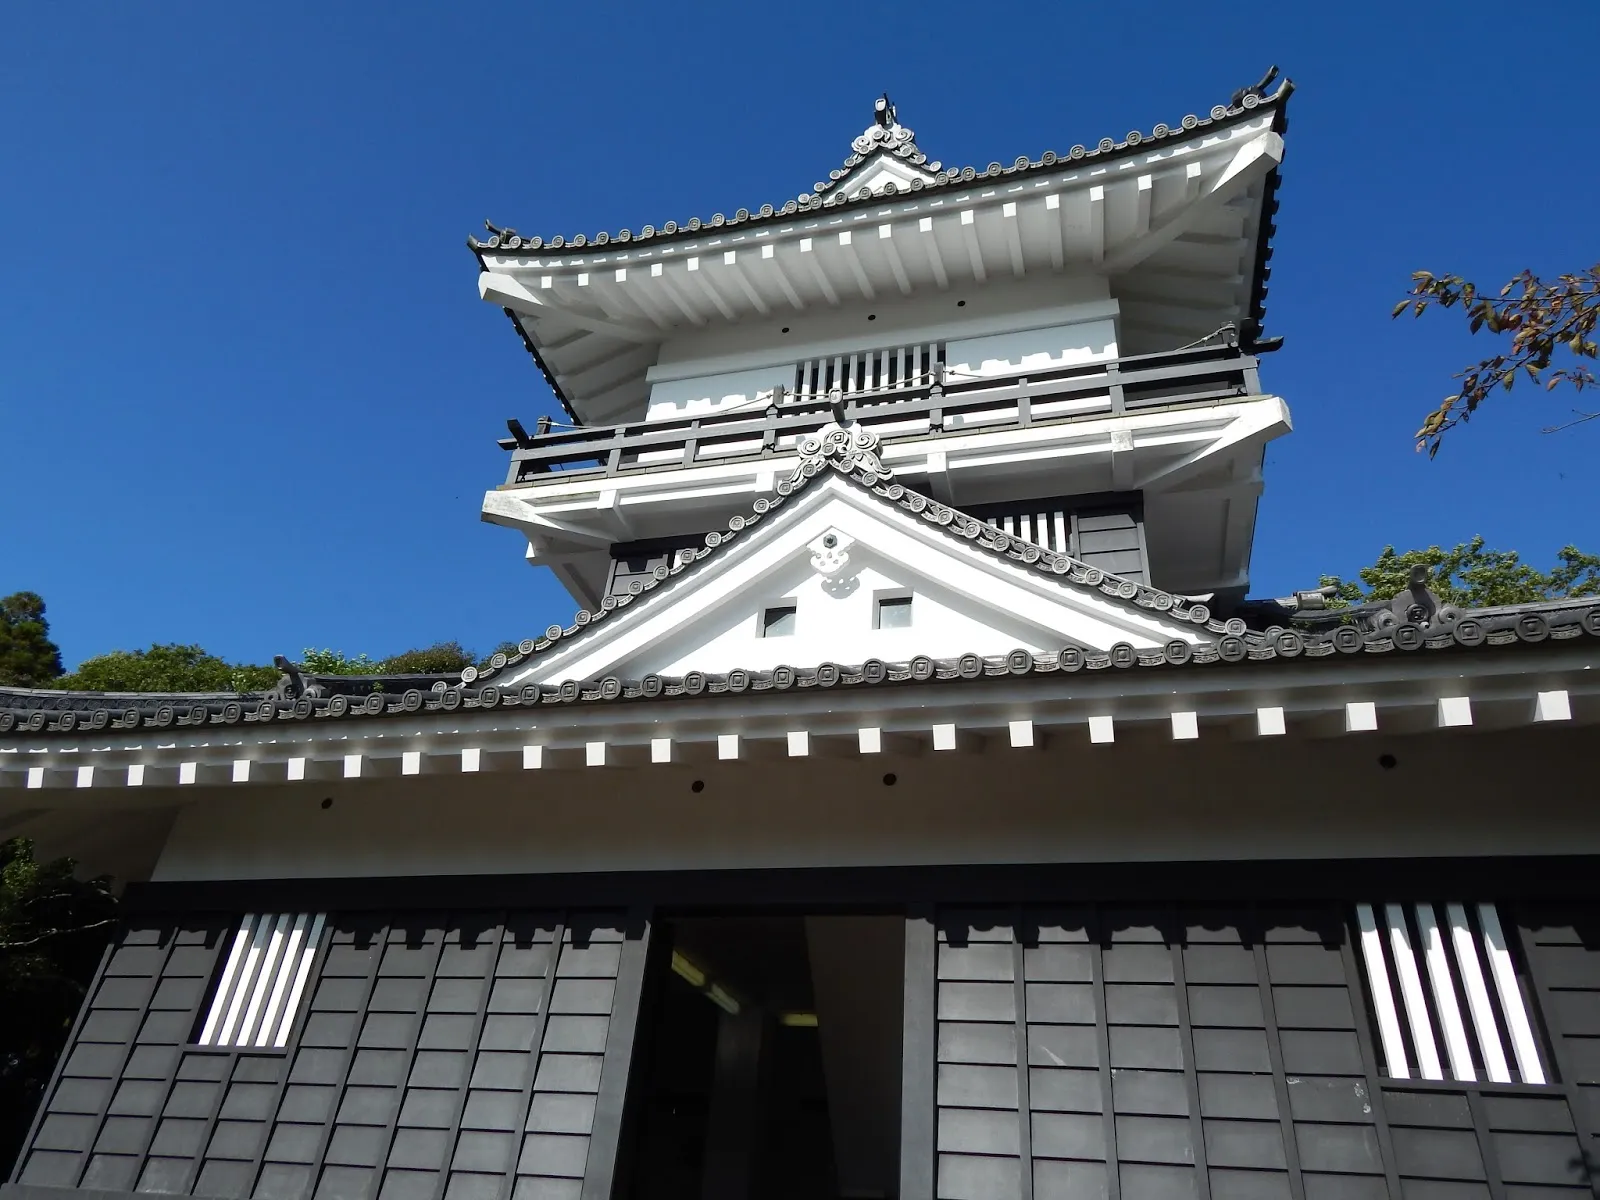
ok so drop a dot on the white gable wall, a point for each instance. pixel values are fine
(834, 623)
(978, 602)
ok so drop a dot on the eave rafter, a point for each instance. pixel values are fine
(708, 288)
(813, 261)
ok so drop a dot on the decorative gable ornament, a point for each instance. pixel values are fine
(850, 450)
(884, 159)
(830, 553)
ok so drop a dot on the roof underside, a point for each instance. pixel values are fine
(1179, 221)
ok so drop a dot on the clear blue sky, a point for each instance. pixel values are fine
(249, 396)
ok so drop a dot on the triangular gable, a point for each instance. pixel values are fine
(978, 583)
(884, 158)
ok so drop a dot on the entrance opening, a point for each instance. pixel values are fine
(769, 1060)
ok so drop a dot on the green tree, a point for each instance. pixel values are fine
(28, 658)
(1471, 575)
(170, 668)
(438, 659)
(53, 928)
(1543, 320)
(335, 662)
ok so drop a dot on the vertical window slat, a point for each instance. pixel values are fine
(1405, 962)
(1505, 982)
(1483, 1022)
(1444, 994)
(1394, 1047)
(246, 980)
(1061, 544)
(224, 985)
(292, 1005)
(291, 961)
(264, 979)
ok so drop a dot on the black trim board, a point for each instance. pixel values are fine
(892, 889)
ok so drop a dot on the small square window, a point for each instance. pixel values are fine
(894, 613)
(778, 621)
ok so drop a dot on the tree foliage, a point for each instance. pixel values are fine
(1471, 575)
(170, 668)
(53, 928)
(442, 658)
(1542, 319)
(28, 658)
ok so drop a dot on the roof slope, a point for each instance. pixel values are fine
(888, 141)
(1413, 621)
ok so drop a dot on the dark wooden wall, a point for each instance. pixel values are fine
(409, 1076)
(1186, 1055)
(1091, 1051)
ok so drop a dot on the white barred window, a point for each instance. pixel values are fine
(1445, 993)
(262, 981)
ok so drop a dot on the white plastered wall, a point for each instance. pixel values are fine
(978, 603)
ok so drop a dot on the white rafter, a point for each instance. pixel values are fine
(1052, 207)
(770, 257)
(703, 279)
(730, 260)
(1097, 224)
(672, 292)
(809, 257)
(886, 240)
(1144, 195)
(853, 261)
(1008, 216)
(935, 258)
(509, 293)
(969, 235)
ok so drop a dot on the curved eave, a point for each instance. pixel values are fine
(529, 346)
(967, 179)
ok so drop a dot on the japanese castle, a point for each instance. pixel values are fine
(916, 806)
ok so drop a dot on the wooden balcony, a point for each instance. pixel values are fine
(952, 404)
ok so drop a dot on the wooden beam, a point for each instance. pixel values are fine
(1097, 224)
(703, 279)
(1144, 196)
(730, 259)
(853, 261)
(935, 259)
(509, 293)
(969, 235)
(672, 292)
(810, 258)
(1008, 216)
(770, 257)
(886, 240)
(1058, 252)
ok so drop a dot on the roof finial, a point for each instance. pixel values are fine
(883, 112)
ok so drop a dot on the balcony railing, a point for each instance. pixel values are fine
(952, 404)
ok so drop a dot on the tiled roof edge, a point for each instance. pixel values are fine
(73, 712)
(1250, 102)
(853, 453)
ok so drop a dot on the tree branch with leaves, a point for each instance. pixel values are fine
(1545, 321)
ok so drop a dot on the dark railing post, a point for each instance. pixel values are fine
(1118, 400)
(1252, 377)
(1024, 404)
(691, 443)
(614, 459)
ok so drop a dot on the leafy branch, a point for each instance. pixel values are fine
(1541, 318)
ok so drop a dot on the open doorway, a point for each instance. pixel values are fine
(769, 1060)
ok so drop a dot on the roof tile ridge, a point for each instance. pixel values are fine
(826, 194)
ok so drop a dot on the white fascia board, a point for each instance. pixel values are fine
(1071, 614)
(1395, 682)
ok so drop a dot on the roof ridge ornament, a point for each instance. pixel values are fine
(849, 449)
(884, 136)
